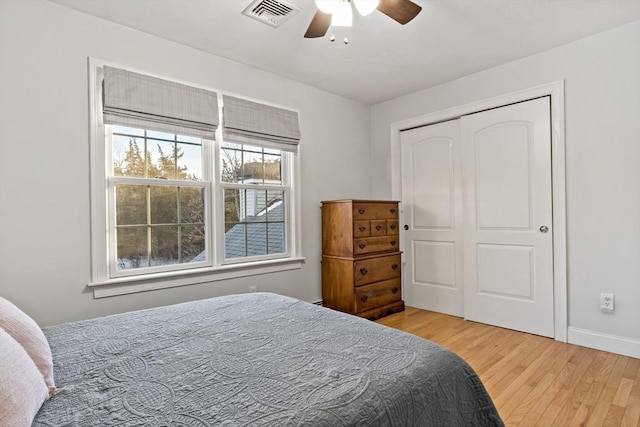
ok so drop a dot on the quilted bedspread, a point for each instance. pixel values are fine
(255, 360)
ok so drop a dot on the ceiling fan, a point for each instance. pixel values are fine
(339, 13)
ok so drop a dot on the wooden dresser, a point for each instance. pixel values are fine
(361, 265)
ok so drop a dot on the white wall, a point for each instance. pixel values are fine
(602, 94)
(44, 156)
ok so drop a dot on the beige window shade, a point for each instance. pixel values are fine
(146, 102)
(252, 123)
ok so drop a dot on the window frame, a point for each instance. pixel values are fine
(220, 186)
(105, 283)
(112, 180)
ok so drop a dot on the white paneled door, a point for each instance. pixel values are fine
(432, 215)
(479, 217)
(508, 248)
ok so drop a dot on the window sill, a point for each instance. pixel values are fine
(150, 282)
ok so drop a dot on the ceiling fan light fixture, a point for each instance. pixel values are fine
(327, 6)
(342, 16)
(365, 7)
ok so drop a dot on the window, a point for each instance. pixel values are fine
(157, 198)
(188, 198)
(255, 201)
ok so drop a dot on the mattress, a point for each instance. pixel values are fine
(256, 359)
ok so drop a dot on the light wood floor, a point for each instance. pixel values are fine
(535, 380)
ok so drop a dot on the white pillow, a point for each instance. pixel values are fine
(22, 388)
(26, 331)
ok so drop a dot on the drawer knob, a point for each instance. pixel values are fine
(395, 289)
(361, 245)
(378, 227)
(392, 226)
(393, 243)
(362, 228)
(364, 298)
(394, 266)
(360, 211)
(392, 210)
(363, 271)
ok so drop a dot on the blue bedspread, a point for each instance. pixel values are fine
(255, 360)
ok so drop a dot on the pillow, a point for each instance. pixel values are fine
(22, 388)
(29, 335)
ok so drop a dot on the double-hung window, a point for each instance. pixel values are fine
(255, 198)
(157, 193)
(188, 185)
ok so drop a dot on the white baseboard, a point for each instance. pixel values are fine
(606, 342)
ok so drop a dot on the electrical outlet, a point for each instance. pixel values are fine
(253, 289)
(607, 301)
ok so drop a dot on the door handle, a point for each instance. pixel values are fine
(406, 227)
(544, 229)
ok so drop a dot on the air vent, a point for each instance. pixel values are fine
(271, 12)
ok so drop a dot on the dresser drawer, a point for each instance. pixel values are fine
(375, 211)
(377, 294)
(378, 227)
(361, 228)
(369, 245)
(393, 227)
(376, 269)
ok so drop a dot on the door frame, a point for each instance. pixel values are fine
(556, 91)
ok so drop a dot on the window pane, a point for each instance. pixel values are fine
(189, 162)
(231, 164)
(275, 206)
(276, 242)
(259, 228)
(256, 239)
(193, 244)
(131, 247)
(252, 203)
(160, 135)
(231, 207)
(272, 151)
(162, 159)
(164, 205)
(235, 240)
(131, 204)
(252, 149)
(189, 139)
(252, 167)
(192, 205)
(231, 145)
(272, 169)
(128, 156)
(127, 130)
(275, 238)
(164, 245)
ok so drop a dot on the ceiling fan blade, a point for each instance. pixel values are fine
(319, 25)
(401, 11)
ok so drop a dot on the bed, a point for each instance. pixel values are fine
(255, 360)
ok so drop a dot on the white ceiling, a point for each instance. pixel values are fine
(447, 40)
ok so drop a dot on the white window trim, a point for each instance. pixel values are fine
(104, 285)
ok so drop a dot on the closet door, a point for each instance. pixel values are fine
(508, 252)
(432, 217)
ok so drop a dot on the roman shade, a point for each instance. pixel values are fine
(146, 102)
(248, 122)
